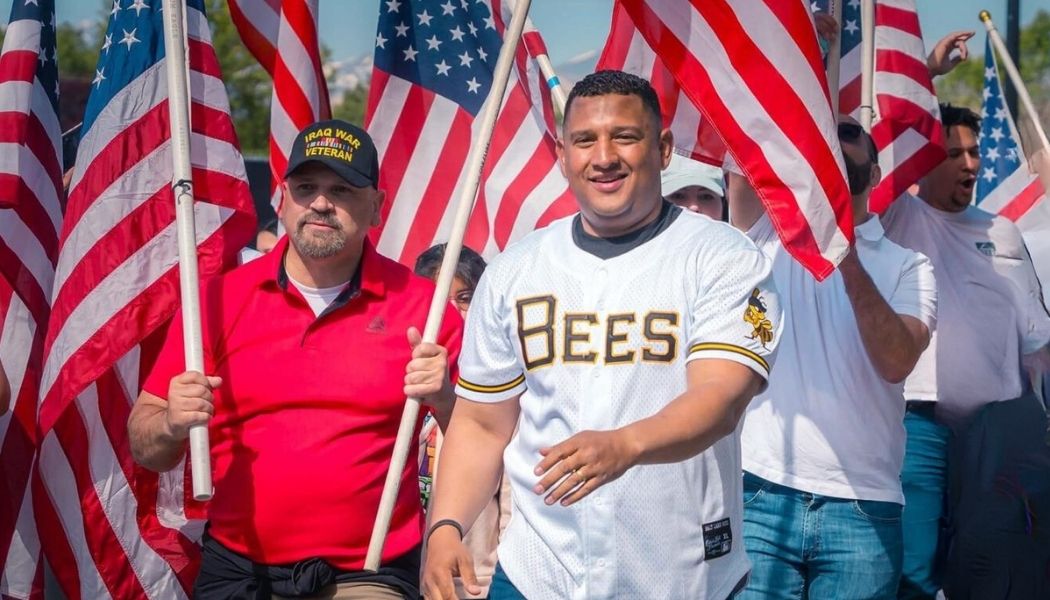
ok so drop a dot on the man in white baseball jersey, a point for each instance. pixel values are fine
(823, 445)
(625, 342)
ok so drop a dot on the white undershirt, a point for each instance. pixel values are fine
(318, 298)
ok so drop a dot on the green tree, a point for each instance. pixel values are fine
(78, 50)
(352, 107)
(965, 84)
(247, 83)
(1035, 54)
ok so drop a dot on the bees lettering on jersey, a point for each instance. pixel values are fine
(547, 336)
(755, 315)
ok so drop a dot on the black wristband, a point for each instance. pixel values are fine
(443, 523)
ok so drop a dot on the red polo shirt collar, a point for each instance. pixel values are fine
(368, 278)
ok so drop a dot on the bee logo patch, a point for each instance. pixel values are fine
(755, 316)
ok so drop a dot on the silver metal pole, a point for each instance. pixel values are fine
(867, 64)
(834, 58)
(176, 61)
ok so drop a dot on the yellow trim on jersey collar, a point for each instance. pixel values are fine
(730, 348)
(492, 389)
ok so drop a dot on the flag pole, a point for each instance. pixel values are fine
(834, 58)
(547, 69)
(1015, 77)
(438, 304)
(182, 186)
(867, 64)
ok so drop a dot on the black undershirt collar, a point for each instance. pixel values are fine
(611, 247)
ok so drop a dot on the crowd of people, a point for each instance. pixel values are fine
(648, 399)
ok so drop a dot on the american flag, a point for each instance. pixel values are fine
(850, 52)
(30, 219)
(1005, 185)
(626, 50)
(433, 69)
(282, 36)
(110, 528)
(907, 126)
(754, 71)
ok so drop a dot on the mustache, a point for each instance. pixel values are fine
(315, 217)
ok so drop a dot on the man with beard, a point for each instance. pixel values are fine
(305, 356)
(968, 389)
(823, 445)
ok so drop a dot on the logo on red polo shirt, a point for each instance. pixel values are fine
(378, 325)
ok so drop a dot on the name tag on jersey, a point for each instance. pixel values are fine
(718, 539)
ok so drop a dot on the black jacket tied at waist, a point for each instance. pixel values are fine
(228, 575)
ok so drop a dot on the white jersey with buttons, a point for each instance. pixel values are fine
(593, 344)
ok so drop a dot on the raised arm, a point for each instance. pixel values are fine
(893, 342)
(745, 207)
(940, 61)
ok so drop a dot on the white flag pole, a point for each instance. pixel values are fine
(867, 64)
(475, 161)
(1015, 77)
(834, 58)
(553, 83)
(182, 184)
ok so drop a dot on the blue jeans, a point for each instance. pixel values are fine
(925, 481)
(501, 587)
(805, 545)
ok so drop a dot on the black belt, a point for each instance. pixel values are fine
(922, 407)
(228, 575)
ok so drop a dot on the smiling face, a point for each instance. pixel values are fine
(949, 187)
(325, 216)
(612, 151)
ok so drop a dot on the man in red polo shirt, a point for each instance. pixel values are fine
(305, 351)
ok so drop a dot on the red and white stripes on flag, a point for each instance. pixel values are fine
(423, 125)
(282, 35)
(1022, 198)
(1016, 196)
(626, 50)
(110, 528)
(754, 70)
(907, 127)
(30, 218)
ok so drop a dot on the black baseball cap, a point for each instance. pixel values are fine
(342, 147)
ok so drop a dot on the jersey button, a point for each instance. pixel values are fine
(601, 562)
(599, 277)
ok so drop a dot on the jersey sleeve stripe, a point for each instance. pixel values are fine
(491, 389)
(730, 348)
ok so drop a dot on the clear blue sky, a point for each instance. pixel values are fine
(570, 27)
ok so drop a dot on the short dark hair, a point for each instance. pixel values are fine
(959, 115)
(469, 268)
(602, 83)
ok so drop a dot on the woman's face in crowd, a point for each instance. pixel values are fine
(460, 295)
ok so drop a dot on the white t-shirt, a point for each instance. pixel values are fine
(318, 298)
(593, 344)
(828, 423)
(990, 310)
